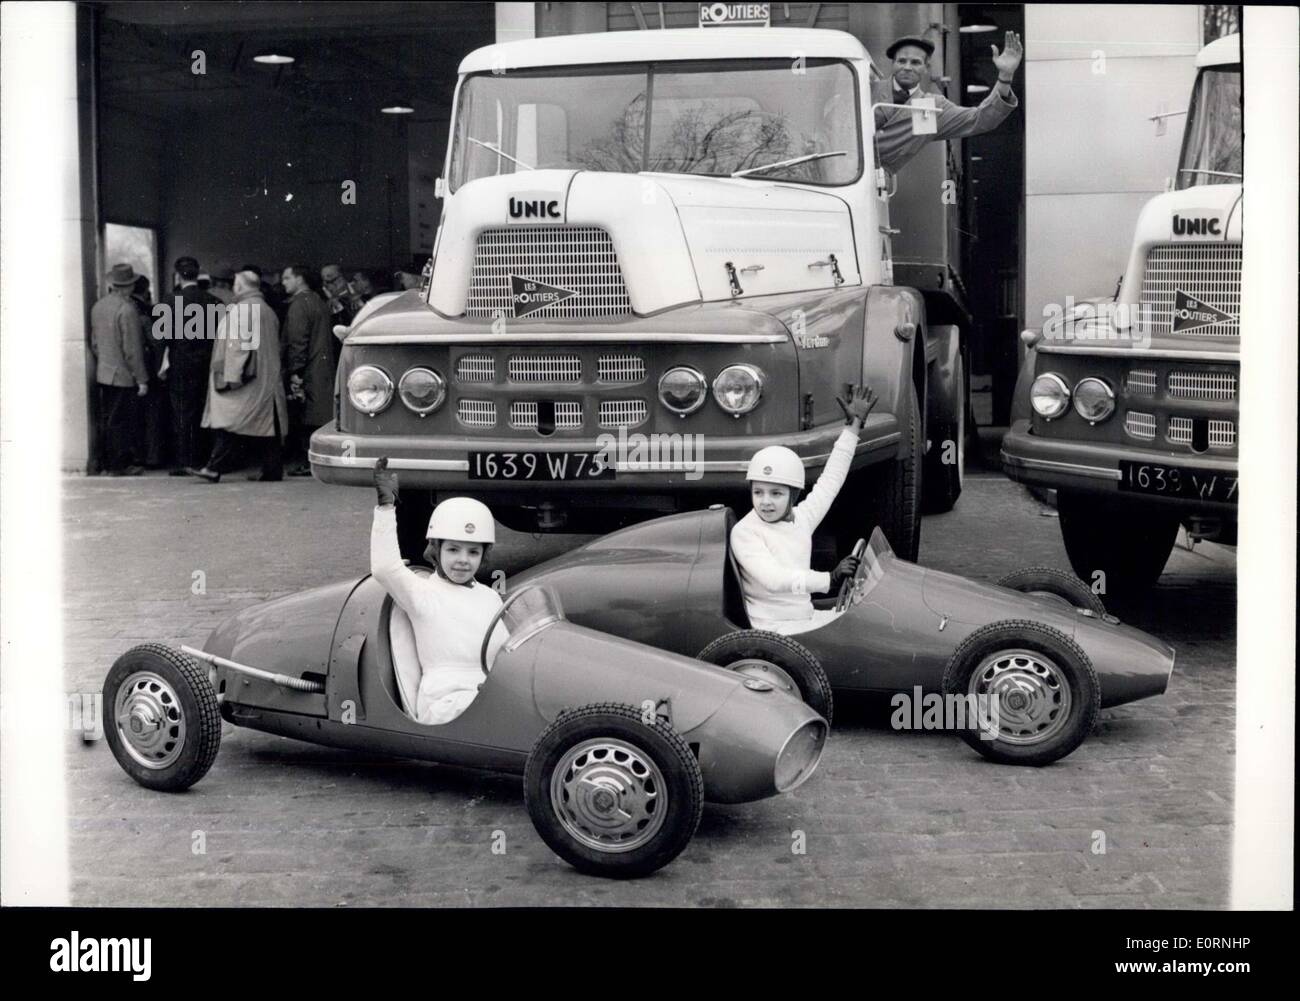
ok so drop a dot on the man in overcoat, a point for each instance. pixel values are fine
(309, 362)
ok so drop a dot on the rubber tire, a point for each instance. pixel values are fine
(789, 655)
(1131, 545)
(894, 500)
(198, 703)
(1085, 690)
(941, 482)
(1057, 582)
(671, 753)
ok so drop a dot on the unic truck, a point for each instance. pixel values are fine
(660, 251)
(1128, 407)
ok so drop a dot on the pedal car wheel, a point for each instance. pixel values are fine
(1048, 582)
(1034, 683)
(776, 659)
(164, 726)
(611, 794)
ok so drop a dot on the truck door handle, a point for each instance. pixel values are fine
(889, 230)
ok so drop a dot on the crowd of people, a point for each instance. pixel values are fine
(208, 388)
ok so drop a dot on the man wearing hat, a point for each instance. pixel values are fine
(896, 143)
(117, 345)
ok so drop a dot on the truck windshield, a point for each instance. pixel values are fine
(709, 118)
(1212, 142)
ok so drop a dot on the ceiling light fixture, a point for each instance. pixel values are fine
(398, 109)
(976, 29)
(273, 58)
(976, 88)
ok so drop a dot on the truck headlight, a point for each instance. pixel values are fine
(683, 389)
(370, 389)
(1094, 400)
(422, 390)
(738, 388)
(1049, 395)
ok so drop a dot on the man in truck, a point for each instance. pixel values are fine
(896, 143)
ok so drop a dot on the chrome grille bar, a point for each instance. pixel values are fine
(1210, 272)
(1140, 382)
(1223, 434)
(568, 415)
(1140, 425)
(476, 368)
(579, 259)
(477, 413)
(623, 413)
(620, 368)
(545, 368)
(1203, 385)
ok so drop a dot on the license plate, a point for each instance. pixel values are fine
(1177, 481)
(539, 467)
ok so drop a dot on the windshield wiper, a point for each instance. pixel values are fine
(499, 152)
(788, 163)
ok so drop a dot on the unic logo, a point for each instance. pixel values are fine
(1197, 225)
(534, 208)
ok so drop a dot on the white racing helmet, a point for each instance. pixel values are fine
(776, 464)
(462, 519)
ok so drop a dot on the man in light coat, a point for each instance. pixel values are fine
(121, 375)
(896, 143)
(246, 404)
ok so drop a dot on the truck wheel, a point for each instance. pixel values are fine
(611, 794)
(894, 499)
(164, 726)
(776, 659)
(413, 510)
(1033, 684)
(941, 480)
(1130, 547)
(1048, 582)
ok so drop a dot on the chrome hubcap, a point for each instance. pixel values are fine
(609, 795)
(765, 670)
(1029, 692)
(149, 720)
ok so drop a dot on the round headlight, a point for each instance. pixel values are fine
(1049, 395)
(1093, 400)
(370, 389)
(738, 388)
(683, 389)
(422, 390)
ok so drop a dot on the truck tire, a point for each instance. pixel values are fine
(946, 429)
(611, 794)
(162, 721)
(1130, 547)
(892, 493)
(776, 659)
(1046, 691)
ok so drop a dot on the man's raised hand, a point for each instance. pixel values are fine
(385, 482)
(1008, 60)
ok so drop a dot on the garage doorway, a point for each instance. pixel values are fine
(133, 245)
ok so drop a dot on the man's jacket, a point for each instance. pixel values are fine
(190, 355)
(309, 352)
(895, 143)
(117, 342)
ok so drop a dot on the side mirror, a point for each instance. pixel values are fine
(925, 118)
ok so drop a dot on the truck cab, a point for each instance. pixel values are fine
(1128, 406)
(659, 252)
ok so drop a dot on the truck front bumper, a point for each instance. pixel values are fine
(660, 463)
(1088, 467)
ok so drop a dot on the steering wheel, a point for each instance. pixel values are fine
(846, 588)
(492, 626)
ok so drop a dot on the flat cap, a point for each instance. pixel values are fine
(920, 43)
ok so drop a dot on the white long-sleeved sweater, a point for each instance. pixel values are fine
(774, 558)
(448, 620)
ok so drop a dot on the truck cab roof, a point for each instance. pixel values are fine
(674, 44)
(1224, 51)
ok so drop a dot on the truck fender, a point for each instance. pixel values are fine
(942, 352)
(890, 362)
(1020, 408)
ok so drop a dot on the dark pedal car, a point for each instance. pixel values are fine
(619, 744)
(1041, 649)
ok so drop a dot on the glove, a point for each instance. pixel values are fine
(859, 404)
(385, 483)
(847, 569)
(296, 390)
(142, 389)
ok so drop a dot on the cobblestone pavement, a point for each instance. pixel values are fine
(890, 820)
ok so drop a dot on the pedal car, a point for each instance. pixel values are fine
(1040, 648)
(618, 743)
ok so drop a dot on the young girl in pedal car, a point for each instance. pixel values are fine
(773, 543)
(449, 611)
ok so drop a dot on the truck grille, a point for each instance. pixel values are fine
(545, 368)
(622, 413)
(1140, 425)
(1203, 385)
(620, 368)
(1209, 272)
(568, 415)
(1140, 382)
(1223, 434)
(476, 368)
(580, 259)
(477, 413)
